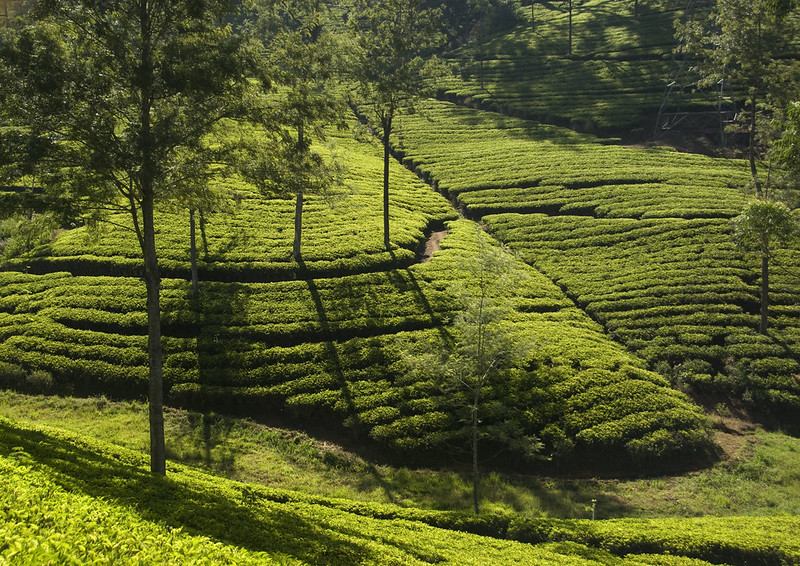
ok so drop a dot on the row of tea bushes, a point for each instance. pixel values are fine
(650, 258)
(327, 350)
(71, 499)
(251, 239)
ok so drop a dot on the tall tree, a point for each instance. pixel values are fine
(743, 44)
(392, 38)
(303, 51)
(121, 95)
(761, 228)
(480, 356)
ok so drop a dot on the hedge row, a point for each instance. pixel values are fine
(181, 516)
(251, 239)
(328, 350)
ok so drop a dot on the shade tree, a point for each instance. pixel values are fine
(117, 95)
(479, 357)
(392, 67)
(762, 227)
(745, 45)
(306, 56)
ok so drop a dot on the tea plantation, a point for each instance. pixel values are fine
(70, 499)
(633, 303)
(638, 238)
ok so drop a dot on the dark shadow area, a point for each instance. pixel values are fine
(337, 370)
(528, 71)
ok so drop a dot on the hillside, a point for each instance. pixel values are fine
(632, 288)
(612, 77)
(637, 316)
(640, 239)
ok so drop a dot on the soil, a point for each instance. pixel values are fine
(732, 436)
(432, 245)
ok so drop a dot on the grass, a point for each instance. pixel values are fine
(759, 475)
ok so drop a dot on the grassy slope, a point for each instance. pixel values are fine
(758, 474)
(81, 495)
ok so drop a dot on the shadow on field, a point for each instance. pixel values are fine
(337, 370)
(237, 514)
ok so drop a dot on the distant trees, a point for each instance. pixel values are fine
(392, 65)
(743, 43)
(119, 97)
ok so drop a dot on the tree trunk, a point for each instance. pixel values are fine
(764, 294)
(570, 28)
(636, 9)
(203, 233)
(480, 60)
(752, 147)
(152, 276)
(475, 472)
(156, 391)
(298, 206)
(533, 16)
(193, 253)
(298, 225)
(387, 131)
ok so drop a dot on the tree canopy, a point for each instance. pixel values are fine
(111, 102)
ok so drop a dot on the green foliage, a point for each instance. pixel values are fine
(253, 242)
(392, 40)
(762, 225)
(324, 349)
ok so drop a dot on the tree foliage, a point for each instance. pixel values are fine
(304, 51)
(392, 72)
(481, 356)
(742, 43)
(111, 102)
(761, 228)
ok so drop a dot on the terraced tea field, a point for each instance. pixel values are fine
(69, 498)
(639, 239)
(322, 341)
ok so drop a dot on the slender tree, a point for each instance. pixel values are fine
(391, 39)
(304, 53)
(761, 228)
(119, 93)
(480, 357)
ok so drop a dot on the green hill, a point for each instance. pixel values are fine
(640, 239)
(632, 300)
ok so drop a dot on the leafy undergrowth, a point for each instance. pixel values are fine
(69, 498)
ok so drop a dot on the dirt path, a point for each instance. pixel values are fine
(432, 245)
